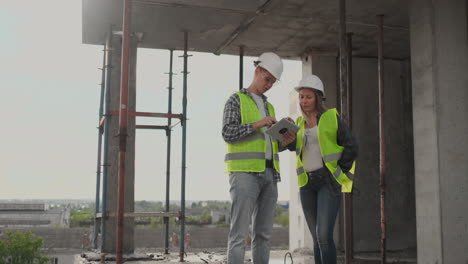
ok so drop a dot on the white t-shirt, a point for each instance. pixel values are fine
(311, 156)
(261, 106)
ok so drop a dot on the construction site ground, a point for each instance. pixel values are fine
(277, 256)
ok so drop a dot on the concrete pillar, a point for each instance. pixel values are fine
(112, 180)
(299, 235)
(439, 64)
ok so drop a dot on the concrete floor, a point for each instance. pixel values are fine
(276, 257)
(202, 257)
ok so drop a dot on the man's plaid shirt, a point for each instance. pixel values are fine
(233, 130)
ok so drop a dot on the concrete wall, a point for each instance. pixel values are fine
(201, 237)
(439, 52)
(57, 217)
(400, 207)
(57, 237)
(112, 179)
(400, 202)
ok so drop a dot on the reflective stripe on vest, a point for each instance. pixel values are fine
(329, 148)
(248, 153)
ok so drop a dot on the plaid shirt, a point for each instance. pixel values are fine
(233, 130)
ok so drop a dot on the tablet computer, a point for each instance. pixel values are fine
(277, 130)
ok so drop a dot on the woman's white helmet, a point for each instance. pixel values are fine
(270, 62)
(311, 81)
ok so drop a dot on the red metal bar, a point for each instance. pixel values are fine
(382, 138)
(123, 123)
(151, 127)
(148, 114)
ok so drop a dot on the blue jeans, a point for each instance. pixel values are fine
(253, 202)
(320, 205)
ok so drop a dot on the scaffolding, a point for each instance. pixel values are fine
(101, 213)
(344, 99)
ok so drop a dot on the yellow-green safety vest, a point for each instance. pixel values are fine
(248, 153)
(329, 148)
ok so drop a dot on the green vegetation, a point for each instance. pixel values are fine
(200, 215)
(159, 222)
(281, 216)
(81, 217)
(21, 248)
(153, 206)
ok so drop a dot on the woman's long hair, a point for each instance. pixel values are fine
(319, 103)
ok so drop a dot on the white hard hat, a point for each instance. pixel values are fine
(310, 81)
(272, 63)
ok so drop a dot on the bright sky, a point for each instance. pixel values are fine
(50, 101)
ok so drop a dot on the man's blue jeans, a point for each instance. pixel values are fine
(320, 205)
(253, 201)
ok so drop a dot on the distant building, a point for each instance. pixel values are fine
(218, 216)
(24, 215)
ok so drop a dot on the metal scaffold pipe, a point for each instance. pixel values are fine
(241, 67)
(99, 150)
(381, 136)
(343, 60)
(344, 109)
(348, 197)
(184, 143)
(107, 118)
(168, 158)
(123, 123)
(349, 81)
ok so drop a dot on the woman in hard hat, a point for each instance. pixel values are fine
(326, 153)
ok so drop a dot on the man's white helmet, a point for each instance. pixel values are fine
(311, 81)
(272, 63)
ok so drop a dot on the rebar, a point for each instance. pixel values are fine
(123, 123)
(381, 137)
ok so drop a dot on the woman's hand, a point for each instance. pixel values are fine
(288, 138)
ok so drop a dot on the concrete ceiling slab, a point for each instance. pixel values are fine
(289, 27)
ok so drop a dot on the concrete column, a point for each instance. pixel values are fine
(112, 181)
(299, 235)
(439, 64)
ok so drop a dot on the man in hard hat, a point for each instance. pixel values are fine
(252, 162)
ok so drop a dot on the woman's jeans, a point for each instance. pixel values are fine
(320, 200)
(254, 199)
